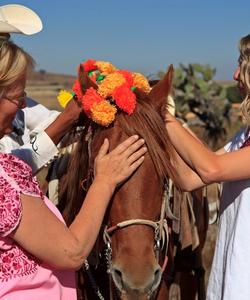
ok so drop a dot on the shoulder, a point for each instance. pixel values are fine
(10, 203)
(33, 106)
(15, 178)
(12, 164)
(237, 140)
(37, 117)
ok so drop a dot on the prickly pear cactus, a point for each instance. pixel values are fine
(198, 93)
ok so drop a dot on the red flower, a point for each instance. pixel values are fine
(93, 77)
(89, 65)
(77, 89)
(89, 99)
(124, 98)
(128, 76)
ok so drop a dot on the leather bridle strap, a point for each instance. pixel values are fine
(160, 228)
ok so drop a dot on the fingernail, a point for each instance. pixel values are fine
(136, 137)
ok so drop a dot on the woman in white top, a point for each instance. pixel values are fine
(230, 274)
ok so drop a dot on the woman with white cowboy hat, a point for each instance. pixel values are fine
(15, 18)
(28, 139)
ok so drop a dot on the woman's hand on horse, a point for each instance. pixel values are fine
(72, 110)
(64, 122)
(116, 166)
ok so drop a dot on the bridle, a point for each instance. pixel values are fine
(160, 227)
(161, 238)
(161, 234)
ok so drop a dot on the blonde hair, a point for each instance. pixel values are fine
(14, 62)
(244, 48)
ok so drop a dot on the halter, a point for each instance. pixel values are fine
(161, 235)
(161, 230)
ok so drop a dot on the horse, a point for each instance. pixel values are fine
(134, 256)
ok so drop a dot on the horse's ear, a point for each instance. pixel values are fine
(163, 88)
(84, 80)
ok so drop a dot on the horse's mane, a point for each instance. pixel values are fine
(146, 121)
(148, 124)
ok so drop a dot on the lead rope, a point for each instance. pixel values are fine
(108, 257)
(93, 283)
(168, 194)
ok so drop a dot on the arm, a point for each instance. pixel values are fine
(43, 131)
(37, 152)
(183, 171)
(39, 227)
(185, 178)
(37, 117)
(209, 166)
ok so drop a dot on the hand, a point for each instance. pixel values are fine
(72, 111)
(168, 117)
(119, 164)
(64, 122)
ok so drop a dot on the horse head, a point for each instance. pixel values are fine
(135, 224)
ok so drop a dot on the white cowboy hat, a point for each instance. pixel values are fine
(15, 18)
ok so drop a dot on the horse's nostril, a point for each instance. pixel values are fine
(157, 277)
(158, 272)
(117, 276)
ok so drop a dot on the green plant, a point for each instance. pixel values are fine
(233, 94)
(197, 92)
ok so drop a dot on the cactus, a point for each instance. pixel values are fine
(197, 92)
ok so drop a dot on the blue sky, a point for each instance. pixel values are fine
(144, 36)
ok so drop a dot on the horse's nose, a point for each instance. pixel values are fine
(140, 283)
(117, 277)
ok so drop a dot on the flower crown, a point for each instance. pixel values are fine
(114, 92)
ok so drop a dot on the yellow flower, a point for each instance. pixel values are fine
(103, 113)
(64, 97)
(105, 67)
(141, 82)
(109, 83)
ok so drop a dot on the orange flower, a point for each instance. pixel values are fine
(103, 113)
(125, 99)
(109, 83)
(90, 98)
(128, 76)
(141, 82)
(105, 67)
(114, 91)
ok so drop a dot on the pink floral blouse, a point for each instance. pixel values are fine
(22, 276)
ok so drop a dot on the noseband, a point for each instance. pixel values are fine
(161, 230)
(161, 235)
